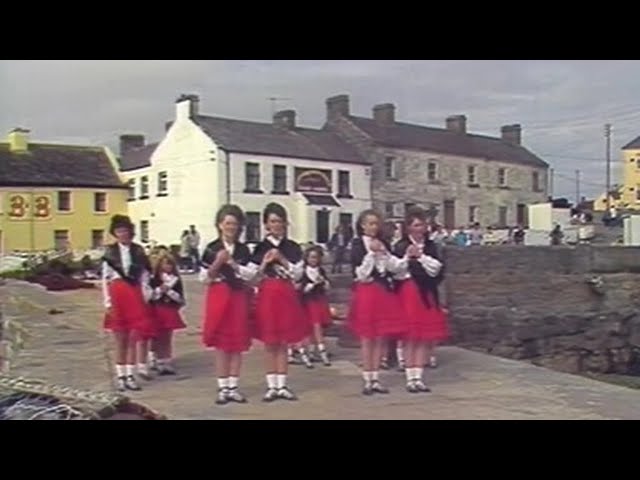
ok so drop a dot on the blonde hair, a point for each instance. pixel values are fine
(158, 259)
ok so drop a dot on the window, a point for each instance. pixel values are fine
(131, 184)
(64, 201)
(535, 180)
(502, 177)
(344, 184)
(408, 206)
(279, 179)
(388, 209)
(97, 238)
(638, 193)
(346, 219)
(144, 187)
(473, 214)
(637, 162)
(432, 171)
(144, 231)
(99, 202)
(61, 240)
(502, 217)
(163, 184)
(389, 168)
(471, 175)
(253, 227)
(252, 177)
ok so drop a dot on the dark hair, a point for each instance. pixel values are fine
(274, 209)
(314, 248)
(364, 214)
(232, 210)
(414, 213)
(121, 221)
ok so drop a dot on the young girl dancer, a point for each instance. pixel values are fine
(168, 298)
(280, 319)
(375, 312)
(125, 278)
(418, 292)
(226, 321)
(314, 287)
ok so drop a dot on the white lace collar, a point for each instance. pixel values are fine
(274, 241)
(313, 273)
(229, 247)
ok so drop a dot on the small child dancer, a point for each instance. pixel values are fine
(375, 312)
(314, 287)
(168, 298)
(126, 273)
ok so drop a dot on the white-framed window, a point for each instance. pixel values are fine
(390, 168)
(389, 209)
(473, 214)
(535, 181)
(163, 184)
(432, 171)
(502, 177)
(252, 177)
(100, 202)
(97, 239)
(502, 216)
(344, 183)
(144, 187)
(60, 240)
(472, 178)
(279, 179)
(144, 231)
(64, 201)
(131, 185)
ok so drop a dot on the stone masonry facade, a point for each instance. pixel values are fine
(499, 196)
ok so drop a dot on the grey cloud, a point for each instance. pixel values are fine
(562, 105)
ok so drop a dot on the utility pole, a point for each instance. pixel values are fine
(551, 183)
(577, 188)
(607, 134)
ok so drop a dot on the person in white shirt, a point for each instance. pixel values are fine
(126, 273)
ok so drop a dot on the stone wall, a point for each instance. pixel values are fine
(537, 304)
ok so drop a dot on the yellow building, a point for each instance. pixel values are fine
(627, 195)
(56, 196)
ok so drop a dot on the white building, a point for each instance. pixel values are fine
(204, 162)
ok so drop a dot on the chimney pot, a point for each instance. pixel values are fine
(188, 104)
(512, 134)
(457, 124)
(384, 114)
(285, 119)
(337, 106)
(19, 140)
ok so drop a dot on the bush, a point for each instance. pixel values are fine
(58, 283)
(16, 274)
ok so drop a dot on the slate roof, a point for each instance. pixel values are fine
(633, 144)
(137, 157)
(57, 166)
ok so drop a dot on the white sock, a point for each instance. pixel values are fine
(417, 373)
(409, 374)
(142, 368)
(366, 376)
(223, 383)
(233, 382)
(121, 370)
(281, 380)
(272, 380)
(128, 369)
(400, 354)
(152, 356)
(321, 347)
(374, 376)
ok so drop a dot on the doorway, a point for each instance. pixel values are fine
(449, 214)
(322, 226)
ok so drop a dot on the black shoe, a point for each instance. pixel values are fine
(233, 395)
(421, 387)
(166, 370)
(286, 394)
(377, 387)
(324, 356)
(270, 395)
(131, 384)
(367, 390)
(121, 383)
(411, 387)
(221, 398)
(384, 364)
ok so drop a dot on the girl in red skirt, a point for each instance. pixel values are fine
(418, 292)
(168, 299)
(375, 312)
(280, 319)
(314, 286)
(226, 322)
(125, 278)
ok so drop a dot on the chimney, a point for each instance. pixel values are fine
(337, 107)
(19, 140)
(512, 134)
(457, 124)
(130, 142)
(167, 125)
(285, 119)
(384, 114)
(187, 106)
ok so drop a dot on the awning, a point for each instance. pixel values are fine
(321, 200)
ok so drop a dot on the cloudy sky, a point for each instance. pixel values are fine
(562, 105)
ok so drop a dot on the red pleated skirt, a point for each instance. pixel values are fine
(317, 310)
(375, 312)
(167, 317)
(424, 323)
(280, 317)
(226, 323)
(129, 311)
